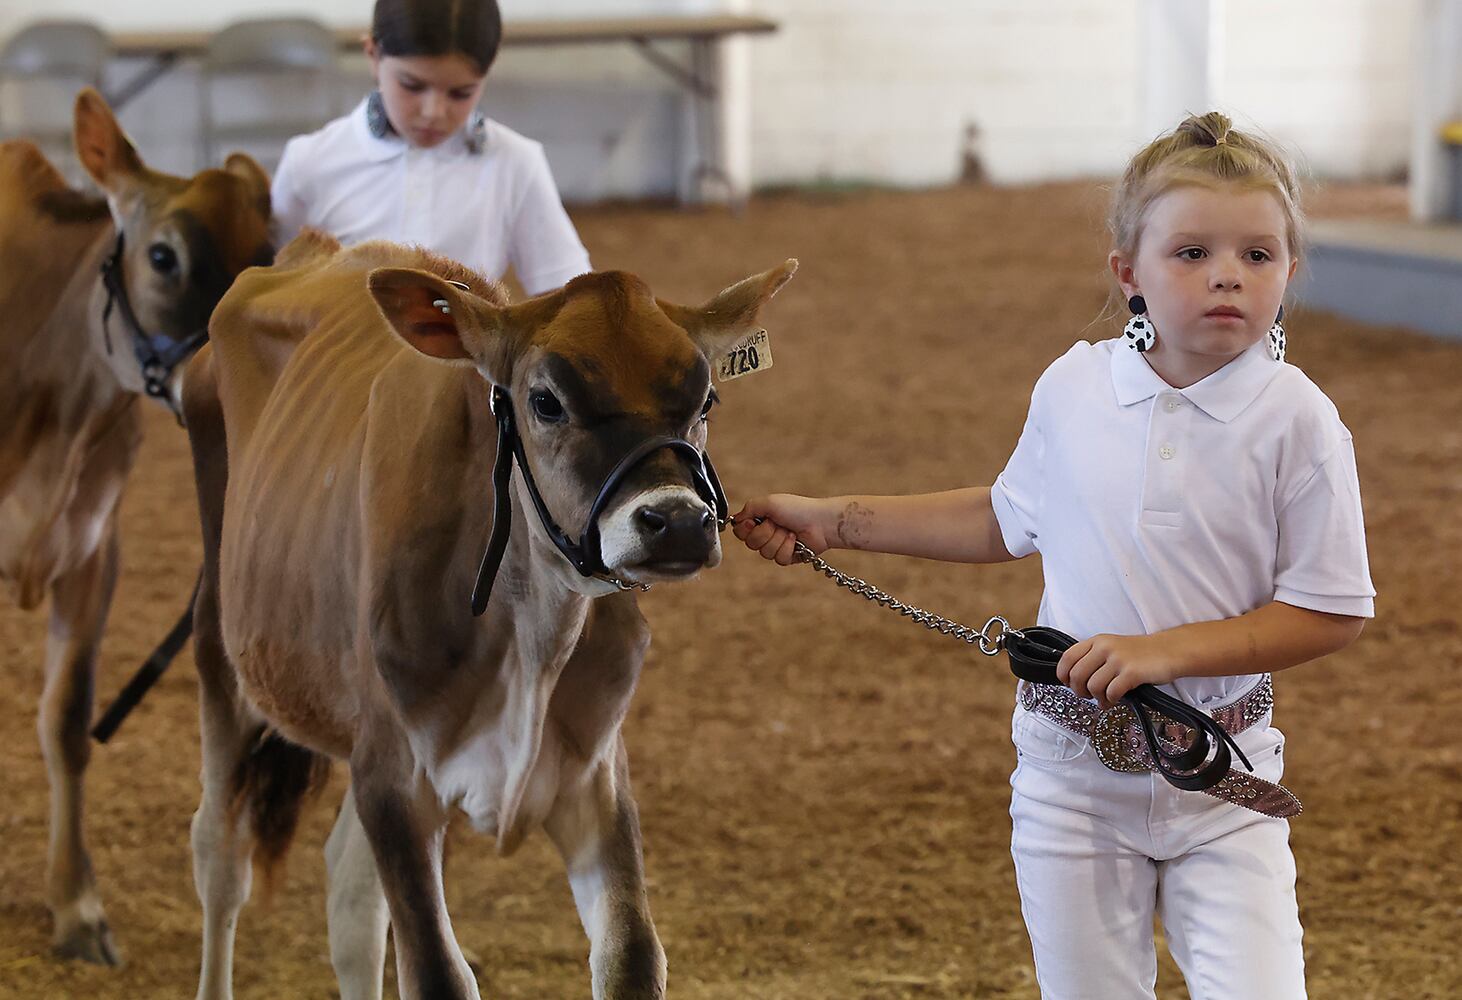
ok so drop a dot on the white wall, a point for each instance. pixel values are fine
(1332, 78)
(848, 90)
(884, 91)
(1433, 186)
(880, 91)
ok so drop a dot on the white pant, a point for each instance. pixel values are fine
(1098, 854)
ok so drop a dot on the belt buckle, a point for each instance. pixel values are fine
(1117, 741)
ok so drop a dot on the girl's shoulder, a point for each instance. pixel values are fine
(1085, 354)
(1303, 411)
(318, 153)
(498, 137)
(1082, 362)
(333, 133)
(1301, 392)
(519, 157)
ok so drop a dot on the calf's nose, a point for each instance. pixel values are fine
(677, 530)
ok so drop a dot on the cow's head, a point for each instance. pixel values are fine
(184, 240)
(594, 371)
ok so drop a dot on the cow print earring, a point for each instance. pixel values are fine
(1275, 340)
(1140, 333)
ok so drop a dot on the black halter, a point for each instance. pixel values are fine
(583, 555)
(1034, 653)
(157, 354)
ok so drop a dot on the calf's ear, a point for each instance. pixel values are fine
(101, 145)
(731, 315)
(247, 169)
(441, 320)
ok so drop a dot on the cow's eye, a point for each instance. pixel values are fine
(546, 405)
(162, 258)
(710, 402)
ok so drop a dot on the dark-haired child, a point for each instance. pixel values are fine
(416, 162)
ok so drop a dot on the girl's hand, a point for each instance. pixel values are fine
(785, 520)
(1106, 667)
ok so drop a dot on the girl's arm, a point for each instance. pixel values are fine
(1268, 639)
(954, 526)
(544, 248)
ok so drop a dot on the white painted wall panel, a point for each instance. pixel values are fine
(857, 90)
(1333, 79)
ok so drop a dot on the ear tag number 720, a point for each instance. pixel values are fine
(752, 353)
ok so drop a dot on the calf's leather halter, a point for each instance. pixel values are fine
(157, 354)
(583, 555)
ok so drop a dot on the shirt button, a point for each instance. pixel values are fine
(1172, 404)
(1167, 451)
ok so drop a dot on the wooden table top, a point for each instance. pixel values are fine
(563, 31)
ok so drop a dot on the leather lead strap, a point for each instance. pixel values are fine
(1034, 653)
(502, 510)
(147, 674)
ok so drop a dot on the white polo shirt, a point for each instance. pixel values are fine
(490, 210)
(1154, 507)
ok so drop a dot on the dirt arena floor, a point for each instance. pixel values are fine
(823, 787)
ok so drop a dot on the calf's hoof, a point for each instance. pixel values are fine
(88, 942)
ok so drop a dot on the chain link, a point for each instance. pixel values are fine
(626, 585)
(990, 643)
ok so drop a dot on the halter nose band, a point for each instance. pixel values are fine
(590, 544)
(583, 555)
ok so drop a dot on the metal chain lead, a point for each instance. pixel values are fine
(990, 643)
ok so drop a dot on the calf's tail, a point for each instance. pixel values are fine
(274, 780)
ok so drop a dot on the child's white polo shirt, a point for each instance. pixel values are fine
(1154, 507)
(489, 210)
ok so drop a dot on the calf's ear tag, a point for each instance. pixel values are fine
(752, 353)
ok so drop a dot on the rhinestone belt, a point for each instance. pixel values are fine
(1117, 737)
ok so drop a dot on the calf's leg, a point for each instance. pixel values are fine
(406, 826)
(222, 835)
(79, 604)
(597, 829)
(223, 843)
(358, 916)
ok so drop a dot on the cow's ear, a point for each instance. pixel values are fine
(256, 181)
(731, 315)
(441, 320)
(101, 145)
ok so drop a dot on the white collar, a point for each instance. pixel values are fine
(1223, 395)
(391, 145)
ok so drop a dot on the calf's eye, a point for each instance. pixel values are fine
(546, 405)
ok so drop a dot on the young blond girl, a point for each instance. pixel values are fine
(1195, 504)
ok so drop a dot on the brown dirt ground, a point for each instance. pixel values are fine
(823, 788)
